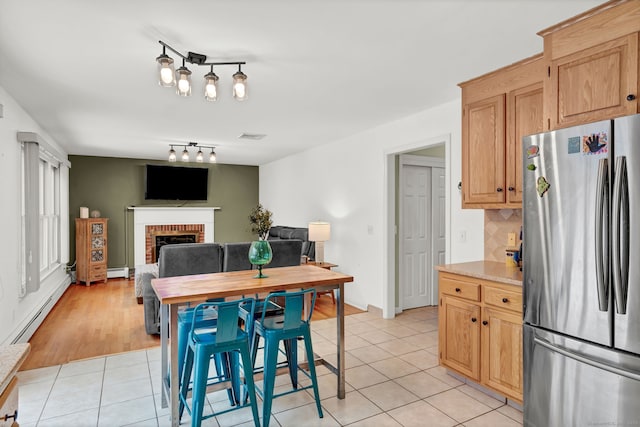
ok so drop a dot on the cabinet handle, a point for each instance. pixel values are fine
(457, 289)
(499, 190)
(473, 319)
(512, 189)
(631, 97)
(7, 417)
(485, 323)
(505, 300)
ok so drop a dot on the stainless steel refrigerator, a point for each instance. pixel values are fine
(581, 272)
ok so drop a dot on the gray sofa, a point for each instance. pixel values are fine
(201, 258)
(177, 260)
(283, 232)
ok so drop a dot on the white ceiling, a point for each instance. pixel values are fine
(318, 70)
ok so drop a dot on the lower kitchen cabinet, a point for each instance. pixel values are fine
(480, 332)
(501, 352)
(460, 336)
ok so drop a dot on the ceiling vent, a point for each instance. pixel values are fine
(252, 136)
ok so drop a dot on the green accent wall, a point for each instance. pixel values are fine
(111, 184)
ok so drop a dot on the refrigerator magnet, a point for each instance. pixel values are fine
(531, 167)
(533, 151)
(573, 145)
(542, 186)
(594, 144)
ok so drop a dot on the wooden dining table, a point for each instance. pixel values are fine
(181, 290)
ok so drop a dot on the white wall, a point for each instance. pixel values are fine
(16, 312)
(344, 182)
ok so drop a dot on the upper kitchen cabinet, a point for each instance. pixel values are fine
(592, 65)
(498, 109)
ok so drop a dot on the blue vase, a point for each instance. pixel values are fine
(260, 254)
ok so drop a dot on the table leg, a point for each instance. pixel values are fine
(341, 353)
(173, 366)
(164, 357)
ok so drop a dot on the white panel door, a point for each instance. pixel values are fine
(416, 259)
(438, 220)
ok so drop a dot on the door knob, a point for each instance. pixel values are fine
(485, 323)
(505, 300)
(631, 97)
(512, 189)
(473, 319)
(457, 289)
(499, 190)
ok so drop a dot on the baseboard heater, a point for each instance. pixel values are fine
(35, 322)
(118, 272)
(45, 309)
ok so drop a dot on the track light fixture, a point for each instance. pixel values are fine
(181, 78)
(185, 153)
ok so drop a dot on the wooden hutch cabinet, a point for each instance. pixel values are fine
(91, 250)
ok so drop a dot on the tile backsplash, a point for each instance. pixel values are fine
(498, 223)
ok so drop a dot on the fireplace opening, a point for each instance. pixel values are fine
(172, 239)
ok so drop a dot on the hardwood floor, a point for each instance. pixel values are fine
(105, 318)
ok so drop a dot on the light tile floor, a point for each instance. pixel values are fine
(393, 379)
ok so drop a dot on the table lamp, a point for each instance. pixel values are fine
(319, 232)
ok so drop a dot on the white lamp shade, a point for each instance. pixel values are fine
(319, 231)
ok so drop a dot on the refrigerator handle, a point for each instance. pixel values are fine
(602, 207)
(620, 235)
(583, 359)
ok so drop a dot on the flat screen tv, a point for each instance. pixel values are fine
(176, 183)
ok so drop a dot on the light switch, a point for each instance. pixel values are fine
(511, 239)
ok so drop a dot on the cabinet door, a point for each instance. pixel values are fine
(524, 117)
(594, 84)
(502, 352)
(460, 336)
(483, 151)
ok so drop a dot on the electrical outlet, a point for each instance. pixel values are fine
(462, 236)
(511, 239)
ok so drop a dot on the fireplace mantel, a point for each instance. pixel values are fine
(145, 215)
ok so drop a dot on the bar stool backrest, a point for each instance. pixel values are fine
(293, 307)
(227, 322)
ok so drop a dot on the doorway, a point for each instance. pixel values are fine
(421, 228)
(437, 226)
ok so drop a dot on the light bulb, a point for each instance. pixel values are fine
(239, 90)
(240, 86)
(166, 75)
(184, 88)
(185, 155)
(184, 81)
(166, 71)
(212, 157)
(172, 155)
(211, 86)
(199, 157)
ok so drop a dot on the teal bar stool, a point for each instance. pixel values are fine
(227, 339)
(291, 346)
(288, 328)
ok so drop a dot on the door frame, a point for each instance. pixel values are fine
(411, 160)
(389, 216)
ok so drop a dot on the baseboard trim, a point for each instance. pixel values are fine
(36, 320)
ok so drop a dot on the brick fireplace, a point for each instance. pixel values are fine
(157, 236)
(150, 222)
